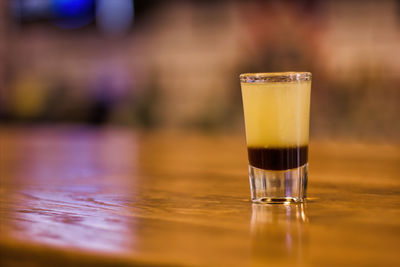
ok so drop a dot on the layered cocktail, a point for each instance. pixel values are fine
(277, 111)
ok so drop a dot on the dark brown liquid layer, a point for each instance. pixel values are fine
(278, 158)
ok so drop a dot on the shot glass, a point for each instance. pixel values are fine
(277, 114)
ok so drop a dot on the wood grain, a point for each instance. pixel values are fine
(109, 197)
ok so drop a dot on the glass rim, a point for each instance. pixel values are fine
(263, 77)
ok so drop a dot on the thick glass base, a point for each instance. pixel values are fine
(278, 187)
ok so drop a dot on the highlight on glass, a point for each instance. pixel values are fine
(277, 114)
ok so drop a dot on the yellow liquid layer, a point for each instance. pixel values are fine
(277, 113)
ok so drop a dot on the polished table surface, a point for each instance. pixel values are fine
(109, 197)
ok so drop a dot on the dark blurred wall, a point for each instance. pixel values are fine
(175, 64)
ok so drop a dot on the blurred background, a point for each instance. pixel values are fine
(151, 64)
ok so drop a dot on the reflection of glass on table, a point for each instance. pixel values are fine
(278, 233)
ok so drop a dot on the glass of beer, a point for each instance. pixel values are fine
(277, 114)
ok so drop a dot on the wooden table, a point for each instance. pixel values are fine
(85, 197)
